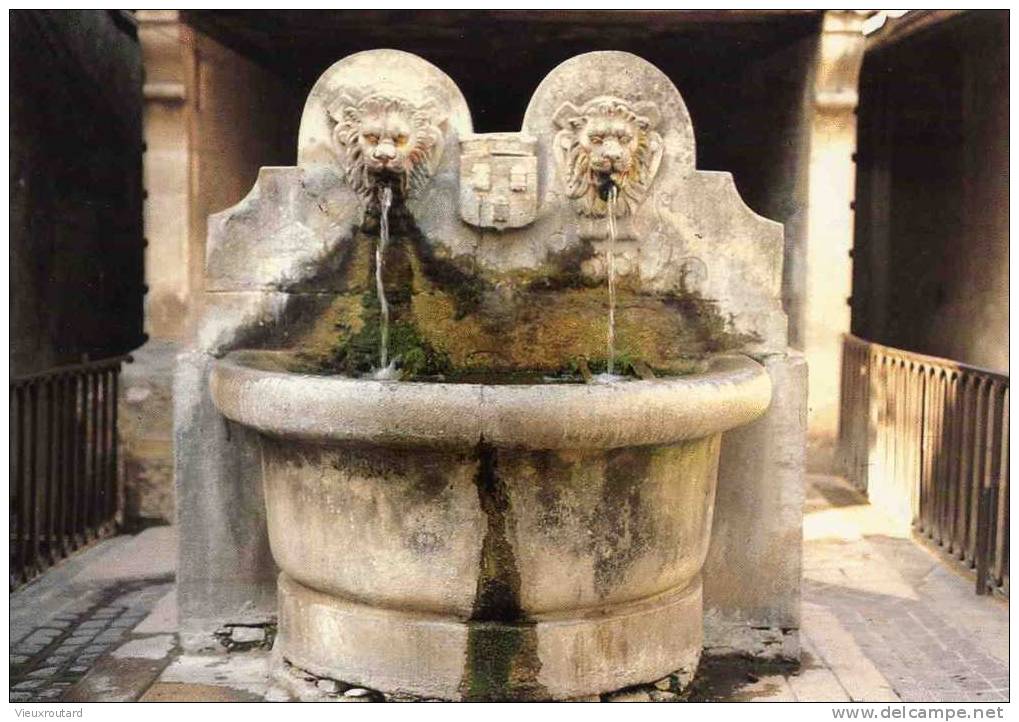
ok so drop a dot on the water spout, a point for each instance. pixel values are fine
(385, 201)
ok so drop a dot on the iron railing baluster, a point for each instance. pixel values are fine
(934, 433)
(64, 489)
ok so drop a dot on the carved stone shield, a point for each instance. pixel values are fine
(498, 180)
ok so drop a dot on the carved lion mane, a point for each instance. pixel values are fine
(384, 137)
(608, 139)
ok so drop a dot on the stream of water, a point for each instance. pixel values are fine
(610, 271)
(385, 370)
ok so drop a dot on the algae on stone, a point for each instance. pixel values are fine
(446, 320)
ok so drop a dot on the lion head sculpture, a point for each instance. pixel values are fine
(608, 142)
(383, 140)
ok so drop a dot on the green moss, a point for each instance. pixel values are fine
(502, 650)
(450, 321)
(713, 331)
(358, 353)
(500, 662)
(562, 270)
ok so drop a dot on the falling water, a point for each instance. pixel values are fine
(385, 370)
(610, 263)
(611, 271)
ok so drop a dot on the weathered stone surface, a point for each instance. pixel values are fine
(247, 635)
(328, 686)
(380, 73)
(115, 679)
(506, 506)
(255, 389)
(386, 649)
(283, 235)
(291, 266)
(154, 647)
(194, 692)
(753, 567)
(636, 695)
(294, 233)
(225, 570)
(145, 427)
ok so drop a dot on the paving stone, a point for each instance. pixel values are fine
(163, 618)
(116, 680)
(70, 646)
(44, 672)
(156, 646)
(107, 612)
(247, 635)
(185, 692)
(29, 684)
(916, 621)
(42, 637)
(20, 696)
(32, 644)
(19, 658)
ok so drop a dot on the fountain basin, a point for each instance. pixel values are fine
(469, 541)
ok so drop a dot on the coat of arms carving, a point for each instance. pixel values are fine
(498, 180)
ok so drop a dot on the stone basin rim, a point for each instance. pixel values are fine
(734, 390)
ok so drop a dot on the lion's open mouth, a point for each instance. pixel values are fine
(606, 180)
(386, 176)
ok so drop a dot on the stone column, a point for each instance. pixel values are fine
(146, 426)
(212, 118)
(830, 224)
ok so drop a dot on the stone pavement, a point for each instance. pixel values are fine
(62, 623)
(868, 592)
(884, 619)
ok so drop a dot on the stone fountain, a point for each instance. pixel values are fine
(468, 392)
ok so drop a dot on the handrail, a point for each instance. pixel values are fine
(927, 439)
(64, 472)
(86, 365)
(946, 363)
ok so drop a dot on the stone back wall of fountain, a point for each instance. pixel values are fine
(284, 271)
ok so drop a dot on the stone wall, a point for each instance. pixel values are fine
(827, 267)
(212, 119)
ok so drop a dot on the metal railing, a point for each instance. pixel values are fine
(64, 489)
(927, 439)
